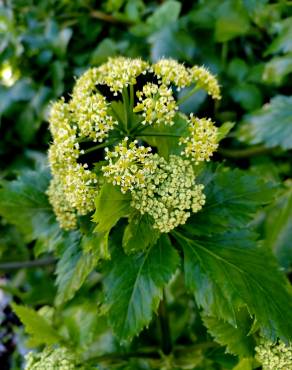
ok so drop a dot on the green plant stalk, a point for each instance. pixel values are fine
(187, 96)
(127, 112)
(158, 134)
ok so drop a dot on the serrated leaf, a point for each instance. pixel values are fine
(228, 271)
(237, 339)
(23, 203)
(270, 125)
(278, 227)
(37, 326)
(277, 69)
(134, 285)
(73, 268)
(232, 199)
(139, 234)
(111, 205)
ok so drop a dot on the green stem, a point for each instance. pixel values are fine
(188, 95)
(99, 146)
(27, 264)
(131, 98)
(158, 134)
(166, 343)
(245, 153)
(125, 96)
(224, 53)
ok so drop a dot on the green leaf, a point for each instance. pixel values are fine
(166, 14)
(37, 326)
(224, 130)
(231, 21)
(232, 199)
(134, 284)
(167, 145)
(247, 95)
(23, 203)
(277, 69)
(111, 205)
(246, 364)
(228, 271)
(74, 267)
(283, 42)
(139, 234)
(172, 42)
(237, 339)
(270, 125)
(278, 227)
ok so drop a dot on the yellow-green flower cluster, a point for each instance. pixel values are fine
(51, 359)
(128, 165)
(157, 104)
(169, 193)
(120, 72)
(170, 71)
(76, 182)
(165, 191)
(202, 140)
(274, 356)
(91, 115)
(64, 212)
(205, 80)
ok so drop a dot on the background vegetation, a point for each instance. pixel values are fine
(43, 44)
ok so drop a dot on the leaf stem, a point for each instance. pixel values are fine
(125, 96)
(158, 134)
(244, 153)
(99, 146)
(188, 95)
(16, 265)
(164, 327)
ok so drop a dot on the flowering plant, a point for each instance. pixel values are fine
(140, 208)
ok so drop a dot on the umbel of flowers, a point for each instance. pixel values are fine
(111, 129)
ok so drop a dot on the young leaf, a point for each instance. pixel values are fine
(228, 271)
(237, 339)
(111, 205)
(73, 268)
(270, 125)
(232, 199)
(23, 203)
(37, 326)
(134, 284)
(139, 234)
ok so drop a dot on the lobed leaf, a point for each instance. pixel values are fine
(270, 125)
(134, 285)
(37, 326)
(228, 271)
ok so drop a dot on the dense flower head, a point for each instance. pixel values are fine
(51, 359)
(205, 80)
(128, 165)
(91, 115)
(170, 71)
(65, 214)
(163, 188)
(121, 72)
(169, 193)
(274, 356)
(202, 140)
(157, 104)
